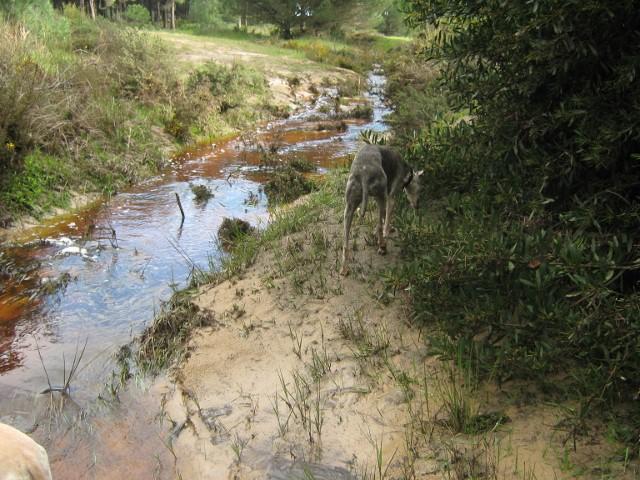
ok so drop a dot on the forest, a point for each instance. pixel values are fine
(288, 17)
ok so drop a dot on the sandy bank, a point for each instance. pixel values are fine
(307, 374)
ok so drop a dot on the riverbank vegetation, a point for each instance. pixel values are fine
(526, 261)
(92, 102)
(523, 266)
(93, 106)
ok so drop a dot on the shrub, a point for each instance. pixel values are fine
(89, 105)
(40, 179)
(31, 99)
(201, 193)
(233, 230)
(342, 55)
(286, 185)
(40, 17)
(212, 91)
(137, 14)
(534, 195)
(229, 85)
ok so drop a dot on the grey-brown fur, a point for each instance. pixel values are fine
(379, 172)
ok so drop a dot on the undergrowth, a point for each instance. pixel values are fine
(287, 184)
(96, 106)
(164, 341)
(356, 52)
(526, 254)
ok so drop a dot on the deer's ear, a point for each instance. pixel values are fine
(417, 174)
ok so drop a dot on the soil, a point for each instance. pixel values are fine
(227, 388)
(381, 400)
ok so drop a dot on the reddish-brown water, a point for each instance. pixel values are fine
(98, 274)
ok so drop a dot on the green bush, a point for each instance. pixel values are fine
(533, 194)
(88, 98)
(215, 99)
(137, 14)
(31, 99)
(40, 179)
(287, 184)
(230, 85)
(206, 14)
(40, 17)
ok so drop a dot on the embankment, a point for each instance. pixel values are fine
(302, 373)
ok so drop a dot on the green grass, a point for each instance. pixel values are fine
(332, 52)
(355, 53)
(115, 103)
(387, 44)
(284, 222)
(164, 340)
(42, 180)
(241, 40)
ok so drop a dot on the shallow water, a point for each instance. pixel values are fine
(98, 274)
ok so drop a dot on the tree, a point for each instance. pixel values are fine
(289, 14)
(553, 80)
(208, 12)
(391, 21)
(240, 9)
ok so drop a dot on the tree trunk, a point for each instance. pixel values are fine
(245, 15)
(92, 9)
(285, 30)
(173, 14)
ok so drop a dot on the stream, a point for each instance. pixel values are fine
(98, 275)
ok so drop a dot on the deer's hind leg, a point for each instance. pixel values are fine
(382, 213)
(349, 211)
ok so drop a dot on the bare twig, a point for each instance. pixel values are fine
(180, 205)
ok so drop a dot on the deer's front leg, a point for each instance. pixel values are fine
(382, 209)
(387, 218)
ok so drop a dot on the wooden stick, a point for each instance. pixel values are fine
(180, 205)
